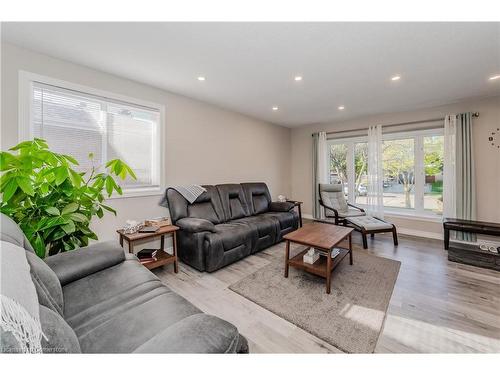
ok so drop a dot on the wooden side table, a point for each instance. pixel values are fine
(162, 256)
(297, 204)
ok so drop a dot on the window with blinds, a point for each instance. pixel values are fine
(78, 123)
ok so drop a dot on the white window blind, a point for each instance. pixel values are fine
(77, 123)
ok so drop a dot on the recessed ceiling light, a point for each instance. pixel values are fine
(341, 108)
(492, 78)
(396, 78)
(275, 108)
(298, 78)
(201, 78)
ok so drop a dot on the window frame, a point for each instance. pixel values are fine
(26, 114)
(418, 137)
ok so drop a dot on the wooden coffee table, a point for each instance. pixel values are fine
(323, 237)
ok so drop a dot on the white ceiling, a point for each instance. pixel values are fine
(249, 67)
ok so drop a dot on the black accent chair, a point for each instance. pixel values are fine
(331, 197)
(340, 212)
(227, 223)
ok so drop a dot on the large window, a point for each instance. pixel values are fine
(433, 169)
(79, 123)
(398, 160)
(338, 164)
(412, 170)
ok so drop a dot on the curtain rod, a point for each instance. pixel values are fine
(475, 114)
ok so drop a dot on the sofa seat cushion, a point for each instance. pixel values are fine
(285, 219)
(231, 242)
(267, 229)
(118, 309)
(264, 226)
(232, 234)
(199, 333)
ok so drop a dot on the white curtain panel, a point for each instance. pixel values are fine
(449, 169)
(375, 192)
(322, 166)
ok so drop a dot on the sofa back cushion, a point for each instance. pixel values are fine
(258, 197)
(233, 201)
(207, 206)
(47, 284)
(11, 232)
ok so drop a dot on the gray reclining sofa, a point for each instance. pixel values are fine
(227, 223)
(100, 300)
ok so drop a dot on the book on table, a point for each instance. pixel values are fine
(147, 253)
(334, 253)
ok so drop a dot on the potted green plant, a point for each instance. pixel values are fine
(52, 202)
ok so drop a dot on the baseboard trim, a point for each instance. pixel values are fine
(420, 233)
(407, 231)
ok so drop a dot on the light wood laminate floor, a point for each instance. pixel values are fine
(437, 306)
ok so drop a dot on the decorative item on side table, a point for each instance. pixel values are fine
(158, 221)
(131, 227)
(160, 258)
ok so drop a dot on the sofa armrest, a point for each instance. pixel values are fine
(281, 206)
(82, 262)
(194, 225)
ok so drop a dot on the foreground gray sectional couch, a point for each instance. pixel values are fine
(227, 223)
(100, 300)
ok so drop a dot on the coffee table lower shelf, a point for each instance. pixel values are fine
(319, 267)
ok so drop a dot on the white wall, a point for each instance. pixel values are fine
(487, 158)
(204, 144)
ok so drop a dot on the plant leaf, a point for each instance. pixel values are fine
(71, 159)
(130, 171)
(9, 190)
(7, 161)
(39, 246)
(69, 227)
(100, 213)
(25, 185)
(78, 217)
(109, 185)
(69, 208)
(107, 208)
(22, 145)
(61, 174)
(53, 211)
(75, 178)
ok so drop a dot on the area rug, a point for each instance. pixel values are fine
(351, 318)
